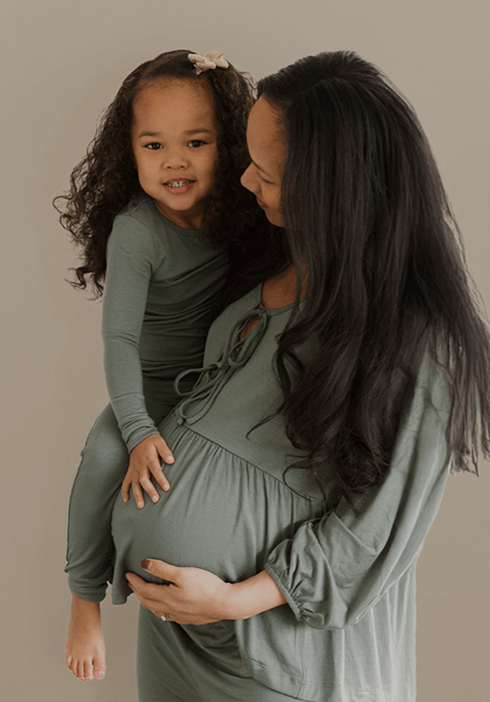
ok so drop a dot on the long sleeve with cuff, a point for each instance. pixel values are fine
(131, 261)
(337, 568)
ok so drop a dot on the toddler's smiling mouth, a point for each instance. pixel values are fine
(179, 187)
(178, 183)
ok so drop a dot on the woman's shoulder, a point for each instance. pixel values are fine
(432, 385)
(428, 412)
(247, 304)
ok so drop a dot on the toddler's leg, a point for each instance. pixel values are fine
(104, 464)
(90, 549)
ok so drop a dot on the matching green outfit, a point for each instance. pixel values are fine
(160, 290)
(347, 633)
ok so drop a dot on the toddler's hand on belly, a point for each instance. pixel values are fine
(144, 462)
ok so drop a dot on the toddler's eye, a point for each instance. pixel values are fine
(195, 143)
(153, 146)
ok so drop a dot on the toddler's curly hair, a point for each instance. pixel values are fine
(106, 179)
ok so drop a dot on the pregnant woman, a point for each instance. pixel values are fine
(311, 456)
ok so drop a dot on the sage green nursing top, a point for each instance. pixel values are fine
(347, 632)
(160, 289)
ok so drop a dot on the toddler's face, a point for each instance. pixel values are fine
(175, 144)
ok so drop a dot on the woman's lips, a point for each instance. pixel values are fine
(260, 203)
(178, 187)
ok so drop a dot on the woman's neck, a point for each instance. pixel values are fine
(277, 292)
(280, 291)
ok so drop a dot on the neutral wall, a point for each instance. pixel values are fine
(62, 63)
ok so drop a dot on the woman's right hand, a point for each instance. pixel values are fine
(144, 462)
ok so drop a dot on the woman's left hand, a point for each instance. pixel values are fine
(194, 596)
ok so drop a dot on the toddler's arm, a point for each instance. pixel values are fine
(144, 462)
(131, 260)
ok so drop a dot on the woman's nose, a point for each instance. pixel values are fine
(248, 181)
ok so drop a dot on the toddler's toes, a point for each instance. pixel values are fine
(87, 672)
(99, 663)
(70, 664)
(75, 667)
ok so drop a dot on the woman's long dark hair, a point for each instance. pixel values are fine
(367, 218)
(106, 179)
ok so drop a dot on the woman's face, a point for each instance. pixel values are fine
(268, 153)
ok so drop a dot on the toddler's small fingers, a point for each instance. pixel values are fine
(161, 478)
(138, 495)
(125, 490)
(148, 486)
(165, 453)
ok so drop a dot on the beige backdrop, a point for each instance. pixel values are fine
(62, 64)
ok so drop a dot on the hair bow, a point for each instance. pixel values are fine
(210, 60)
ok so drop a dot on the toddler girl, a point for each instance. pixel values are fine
(152, 205)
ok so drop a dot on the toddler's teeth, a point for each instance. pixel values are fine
(177, 183)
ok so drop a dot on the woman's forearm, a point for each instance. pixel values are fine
(253, 596)
(197, 596)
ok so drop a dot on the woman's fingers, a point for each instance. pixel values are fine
(151, 592)
(158, 599)
(151, 598)
(183, 598)
(162, 570)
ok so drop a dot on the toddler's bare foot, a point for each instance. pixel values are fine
(85, 650)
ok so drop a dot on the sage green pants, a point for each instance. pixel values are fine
(90, 547)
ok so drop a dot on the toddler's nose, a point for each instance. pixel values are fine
(175, 159)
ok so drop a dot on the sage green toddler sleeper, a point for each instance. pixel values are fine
(160, 290)
(347, 632)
